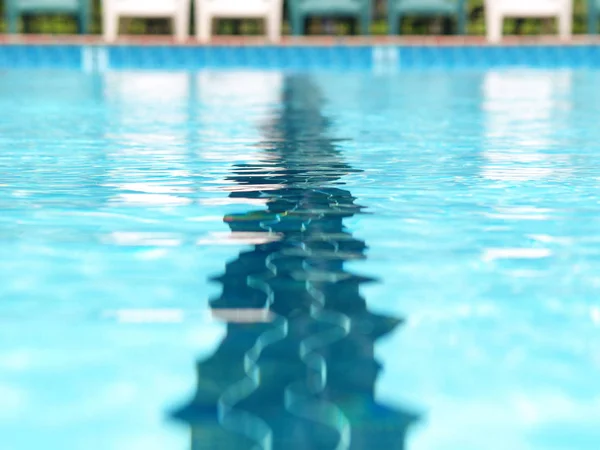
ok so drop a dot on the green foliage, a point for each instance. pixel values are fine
(65, 24)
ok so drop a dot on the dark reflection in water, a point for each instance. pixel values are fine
(296, 369)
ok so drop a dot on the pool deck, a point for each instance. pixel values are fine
(287, 41)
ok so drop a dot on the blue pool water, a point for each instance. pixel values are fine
(231, 259)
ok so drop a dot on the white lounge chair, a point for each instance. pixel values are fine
(498, 10)
(177, 10)
(207, 10)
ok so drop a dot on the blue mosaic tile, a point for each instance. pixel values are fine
(40, 56)
(299, 57)
(499, 56)
(155, 57)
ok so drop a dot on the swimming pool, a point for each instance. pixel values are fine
(229, 258)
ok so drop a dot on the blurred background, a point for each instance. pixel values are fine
(66, 24)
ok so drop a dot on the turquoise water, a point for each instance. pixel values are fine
(318, 260)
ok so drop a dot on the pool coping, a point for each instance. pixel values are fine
(373, 53)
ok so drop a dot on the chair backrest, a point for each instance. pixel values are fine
(529, 7)
(150, 4)
(432, 5)
(431, 2)
(240, 8)
(146, 8)
(46, 5)
(239, 4)
(329, 4)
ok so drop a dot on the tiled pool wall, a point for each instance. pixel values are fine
(295, 57)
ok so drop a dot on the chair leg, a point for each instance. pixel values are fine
(111, 26)
(494, 24)
(565, 25)
(592, 15)
(83, 24)
(365, 23)
(461, 23)
(297, 22)
(203, 27)
(394, 22)
(273, 25)
(12, 19)
(181, 23)
(592, 23)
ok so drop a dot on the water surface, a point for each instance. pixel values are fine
(318, 260)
